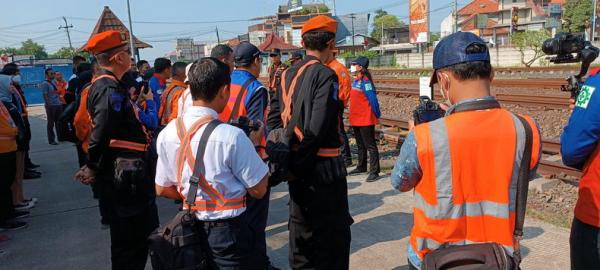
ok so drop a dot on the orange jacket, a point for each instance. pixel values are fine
(344, 80)
(169, 101)
(586, 208)
(61, 88)
(467, 189)
(8, 131)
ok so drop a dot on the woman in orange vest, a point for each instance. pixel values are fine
(364, 115)
(61, 86)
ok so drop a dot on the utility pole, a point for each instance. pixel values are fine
(455, 5)
(131, 40)
(218, 38)
(353, 49)
(334, 11)
(66, 27)
(594, 21)
(381, 41)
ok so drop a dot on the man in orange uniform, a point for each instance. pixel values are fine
(170, 97)
(345, 84)
(460, 196)
(275, 69)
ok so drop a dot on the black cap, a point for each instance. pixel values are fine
(297, 55)
(361, 61)
(275, 52)
(245, 53)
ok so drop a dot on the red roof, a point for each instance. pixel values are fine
(478, 7)
(274, 42)
(109, 21)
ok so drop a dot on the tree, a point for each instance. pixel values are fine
(434, 37)
(319, 8)
(66, 52)
(387, 20)
(9, 51)
(577, 15)
(530, 40)
(33, 48)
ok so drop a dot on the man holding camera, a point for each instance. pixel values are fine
(461, 196)
(232, 170)
(307, 108)
(579, 150)
(117, 154)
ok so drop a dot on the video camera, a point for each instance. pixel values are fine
(564, 45)
(245, 124)
(427, 111)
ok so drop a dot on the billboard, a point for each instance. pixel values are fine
(419, 21)
(294, 5)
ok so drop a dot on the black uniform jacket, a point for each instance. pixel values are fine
(319, 114)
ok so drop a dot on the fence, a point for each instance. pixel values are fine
(33, 76)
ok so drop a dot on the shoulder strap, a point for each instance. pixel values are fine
(288, 93)
(199, 165)
(476, 106)
(105, 76)
(522, 186)
(53, 85)
(238, 100)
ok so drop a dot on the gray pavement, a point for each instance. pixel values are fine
(64, 229)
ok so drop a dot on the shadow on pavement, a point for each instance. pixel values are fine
(390, 227)
(364, 203)
(532, 232)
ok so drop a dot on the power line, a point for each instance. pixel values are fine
(175, 23)
(66, 27)
(30, 23)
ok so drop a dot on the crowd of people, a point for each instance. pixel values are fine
(210, 136)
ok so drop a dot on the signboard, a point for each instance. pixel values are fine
(555, 8)
(294, 5)
(419, 21)
(424, 89)
(482, 20)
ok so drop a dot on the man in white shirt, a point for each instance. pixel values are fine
(232, 168)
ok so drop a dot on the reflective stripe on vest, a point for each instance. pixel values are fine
(140, 147)
(217, 201)
(166, 104)
(287, 93)
(451, 207)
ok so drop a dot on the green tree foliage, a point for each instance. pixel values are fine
(314, 9)
(530, 40)
(367, 54)
(33, 48)
(388, 21)
(66, 52)
(577, 15)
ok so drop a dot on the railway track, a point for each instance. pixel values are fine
(560, 71)
(555, 102)
(552, 169)
(530, 83)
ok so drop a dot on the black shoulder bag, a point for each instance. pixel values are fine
(490, 256)
(182, 243)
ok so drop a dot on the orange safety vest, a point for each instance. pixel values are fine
(169, 101)
(82, 121)
(286, 115)
(8, 131)
(344, 80)
(185, 156)
(470, 164)
(586, 208)
(61, 88)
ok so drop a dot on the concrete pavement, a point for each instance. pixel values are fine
(64, 230)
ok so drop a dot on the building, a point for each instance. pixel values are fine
(360, 42)
(188, 50)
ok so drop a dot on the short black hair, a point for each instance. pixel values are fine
(317, 40)
(10, 69)
(178, 68)
(221, 51)
(206, 77)
(79, 58)
(141, 63)
(83, 67)
(161, 64)
(47, 70)
(472, 70)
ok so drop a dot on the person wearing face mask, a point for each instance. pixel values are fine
(460, 196)
(118, 158)
(363, 115)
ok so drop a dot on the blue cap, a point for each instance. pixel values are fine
(297, 55)
(361, 61)
(452, 50)
(245, 53)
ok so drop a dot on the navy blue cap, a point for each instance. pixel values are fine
(275, 52)
(297, 55)
(245, 53)
(361, 61)
(452, 50)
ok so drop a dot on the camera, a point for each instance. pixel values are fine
(564, 45)
(427, 111)
(245, 124)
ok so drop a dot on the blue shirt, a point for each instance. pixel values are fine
(580, 137)
(49, 88)
(149, 116)
(157, 89)
(257, 99)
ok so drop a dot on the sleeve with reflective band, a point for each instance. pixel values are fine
(462, 197)
(185, 157)
(8, 131)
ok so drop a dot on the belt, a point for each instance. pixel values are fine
(324, 152)
(221, 222)
(140, 147)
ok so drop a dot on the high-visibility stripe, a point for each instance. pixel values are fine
(469, 209)
(128, 145)
(519, 147)
(7, 138)
(287, 94)
(329, 152)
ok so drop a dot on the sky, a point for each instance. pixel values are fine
(160, 23)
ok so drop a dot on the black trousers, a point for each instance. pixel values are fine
(257, 213)
(319, 225)
(8, 166)
(231, 243)
(365, 140)
(53, 113)
(129, 239)
(346, 153)
(585, 246)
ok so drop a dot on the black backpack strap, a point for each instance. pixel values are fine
(238, 100)
(199, 165)
(522, 187)
(477, 106)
